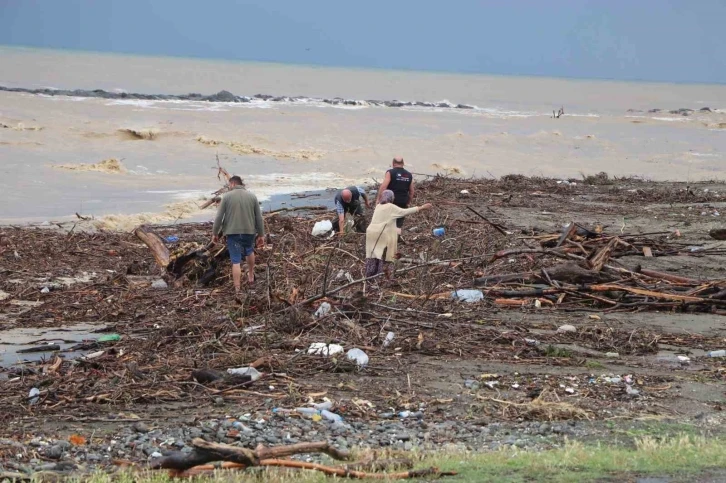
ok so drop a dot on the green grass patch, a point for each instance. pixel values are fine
(681, 457)
(554, 351)
(591, 364)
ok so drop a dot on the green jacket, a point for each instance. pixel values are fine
(239, 214)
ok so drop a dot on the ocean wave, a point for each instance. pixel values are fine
(224, 100)
(108, 166)
(246, 149)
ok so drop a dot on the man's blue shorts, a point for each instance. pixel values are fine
(240, 246)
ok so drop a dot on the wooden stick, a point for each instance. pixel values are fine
(493, 225)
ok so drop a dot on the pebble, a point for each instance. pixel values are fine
(54, 452)
(140, 427)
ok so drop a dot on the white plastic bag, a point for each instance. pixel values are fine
(322, 228)
(323, 349)
(358, 356)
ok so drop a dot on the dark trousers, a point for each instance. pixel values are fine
(400, 204)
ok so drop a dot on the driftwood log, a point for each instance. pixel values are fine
(155, 244)
(204, 452)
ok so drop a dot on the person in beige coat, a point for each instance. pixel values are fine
(382, 234)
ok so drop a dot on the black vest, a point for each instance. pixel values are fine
(400, 184)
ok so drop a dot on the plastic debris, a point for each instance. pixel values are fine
(358, 356)
(94, 355)
(720, 353)
(34, 395)
(410, 414)
(630, 391)
(323, 405)
(171, 239)
(532, 342)
(323, 349)
(468, 296)
(612, 355)
(159, 284)
(45, 290)
(471, 384)
(331, 416)
(389, 338)
(253, 373)
(566, 328)
(323, 310)
(322, 228)
(109, 338)
(439, 232)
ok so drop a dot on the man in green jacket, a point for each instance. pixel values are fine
(239, 219)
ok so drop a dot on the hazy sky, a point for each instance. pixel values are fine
(666, 40)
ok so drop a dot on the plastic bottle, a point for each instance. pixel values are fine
(330, 416)
(323, 405)
(720, 353)
(245, 371)
(307, 411)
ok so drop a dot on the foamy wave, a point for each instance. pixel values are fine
(171, 213)
(705, 155)
(267, 185)
(247, 149)
(109, 166)
(671, 119)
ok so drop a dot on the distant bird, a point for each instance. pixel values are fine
(307, 49)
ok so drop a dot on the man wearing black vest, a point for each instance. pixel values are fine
(400, 181)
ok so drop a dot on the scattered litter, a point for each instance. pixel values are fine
(439, 232)
(45, 290)
(630, 391)
(358, 356)
(323, 310)
(330, 416)
(322, 228)
(410, 414)
(159, 284)
(389, 338)
(684, 359)
(323, 349)
(471, 384)
(34, 395)
(464, 192)
(109, 338)
(468, 296)
(612, 355)
(719, 353)
(566, 328)
(171, 239)
(94, 355)
(532, 342)
(251, 372)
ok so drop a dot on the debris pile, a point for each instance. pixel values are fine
(313, 317)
